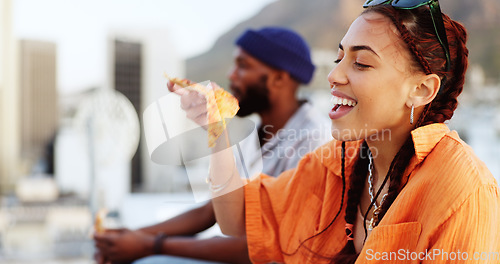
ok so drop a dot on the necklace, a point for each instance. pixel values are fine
(376, 208)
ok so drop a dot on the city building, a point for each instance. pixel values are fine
(127, 79)
(138, 58)
(39, 118)
(28, 103)
(9, 102)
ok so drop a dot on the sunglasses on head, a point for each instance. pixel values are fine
(437, 18)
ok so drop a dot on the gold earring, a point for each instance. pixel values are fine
(411, 114)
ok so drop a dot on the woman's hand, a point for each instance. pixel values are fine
(226, 186)
(194, 103)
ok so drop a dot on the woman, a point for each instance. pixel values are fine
(395, 185)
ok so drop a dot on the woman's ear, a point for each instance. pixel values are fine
(425, 91)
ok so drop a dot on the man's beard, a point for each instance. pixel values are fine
(255, 99)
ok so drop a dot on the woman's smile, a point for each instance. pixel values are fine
(342, 104)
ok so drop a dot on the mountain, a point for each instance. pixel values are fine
(324, 22)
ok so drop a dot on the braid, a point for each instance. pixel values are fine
(396, 171)
(446, 102)
(356, 186)
(410, 41)
(302, 244)
(416, 29)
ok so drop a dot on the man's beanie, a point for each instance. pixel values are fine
(280, 48)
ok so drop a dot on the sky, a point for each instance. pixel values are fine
(78, 28)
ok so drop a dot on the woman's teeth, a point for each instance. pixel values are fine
(342, 101)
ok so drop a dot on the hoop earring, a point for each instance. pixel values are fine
(411, 114)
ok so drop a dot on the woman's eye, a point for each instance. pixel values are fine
(361, 66)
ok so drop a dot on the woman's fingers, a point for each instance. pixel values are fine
(195, 106)
(176, 88)
(196, 111)
(192, 102)
(192, 99)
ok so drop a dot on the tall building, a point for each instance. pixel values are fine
(127, 80)
(39, 117)
(28, 107)
(9, 101)
(138, 59)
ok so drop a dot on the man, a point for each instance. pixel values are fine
(269, 66)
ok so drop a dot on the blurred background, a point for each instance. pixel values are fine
(75, 77)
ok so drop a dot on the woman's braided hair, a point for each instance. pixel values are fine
(417, 31)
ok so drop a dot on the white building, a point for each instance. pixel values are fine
(157, 56)
(9, 102)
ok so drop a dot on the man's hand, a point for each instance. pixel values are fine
(194, 103)
(99, 258)
(123, 245)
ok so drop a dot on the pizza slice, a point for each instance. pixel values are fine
(181, 82)
(99, 221)
(220, 105)
(225, 107)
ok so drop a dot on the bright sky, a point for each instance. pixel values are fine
(79, 27)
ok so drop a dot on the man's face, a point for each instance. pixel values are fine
(248, 83)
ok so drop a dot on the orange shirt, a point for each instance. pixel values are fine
(450, 205)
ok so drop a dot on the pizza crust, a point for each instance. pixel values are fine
(221, 105)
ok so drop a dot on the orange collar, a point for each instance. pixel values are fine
(424, 139)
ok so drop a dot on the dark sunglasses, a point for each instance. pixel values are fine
(437, 18)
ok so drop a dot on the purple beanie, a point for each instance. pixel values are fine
(280, 48)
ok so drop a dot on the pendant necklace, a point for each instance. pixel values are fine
(376, 208)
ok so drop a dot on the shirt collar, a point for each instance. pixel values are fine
(426, 138)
